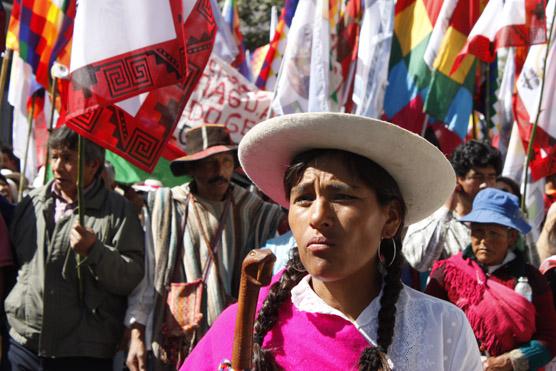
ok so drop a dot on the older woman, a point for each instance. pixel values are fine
(507, 302)
(350, 183)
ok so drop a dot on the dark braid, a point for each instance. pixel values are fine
(279, 292)
(374, 358)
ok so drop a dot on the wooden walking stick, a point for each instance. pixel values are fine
(256, 272)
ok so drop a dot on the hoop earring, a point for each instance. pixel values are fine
(381, 257)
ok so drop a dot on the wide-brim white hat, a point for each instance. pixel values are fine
(424, 175)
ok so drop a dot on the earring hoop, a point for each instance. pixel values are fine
(381, 257)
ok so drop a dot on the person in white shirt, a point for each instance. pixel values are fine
(440, 235)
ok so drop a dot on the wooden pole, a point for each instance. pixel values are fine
(8, 53)
(474, 123)
(256, 271)
(30, 117)
(536, 123)
(487, 96)
(53, 92)
(80, 202)
(425, 125)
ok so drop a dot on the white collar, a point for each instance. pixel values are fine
(509, 257)
(306, 300)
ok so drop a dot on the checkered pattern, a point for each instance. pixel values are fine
(41, 30)
(271, 64)
(414, 88)
(231, 17)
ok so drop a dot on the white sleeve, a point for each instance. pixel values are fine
(140, 302)
(464, 355)
(424, 241)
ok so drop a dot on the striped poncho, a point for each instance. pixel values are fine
(248, 223)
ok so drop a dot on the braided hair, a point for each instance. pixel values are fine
(387, 191)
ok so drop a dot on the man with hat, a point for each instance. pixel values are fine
(197, 233)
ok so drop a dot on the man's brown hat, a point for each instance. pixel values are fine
(201, 142)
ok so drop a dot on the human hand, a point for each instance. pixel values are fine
(500, 363)
(137, 354)
(454, 198)
(82, 239)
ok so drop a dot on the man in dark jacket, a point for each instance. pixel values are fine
(67, 308)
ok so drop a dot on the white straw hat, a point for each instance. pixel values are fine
(424, 175)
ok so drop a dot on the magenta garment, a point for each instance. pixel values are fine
(300, 341)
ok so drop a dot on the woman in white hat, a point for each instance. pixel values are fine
(350, 184)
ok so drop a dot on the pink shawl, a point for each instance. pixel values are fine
(299, 341)
(501, 318)
(548, 264)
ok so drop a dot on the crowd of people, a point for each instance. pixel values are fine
(389, 255)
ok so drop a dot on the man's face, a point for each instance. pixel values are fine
(213, 174)
(476, 179)
(64, 168)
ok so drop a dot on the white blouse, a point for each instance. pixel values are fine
(430, 334)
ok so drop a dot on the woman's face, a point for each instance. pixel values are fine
(491, 242)
(337, 221)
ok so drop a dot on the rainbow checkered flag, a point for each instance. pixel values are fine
(427, 38)
(269, 70)
(41, 32)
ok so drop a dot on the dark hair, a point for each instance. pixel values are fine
(512, 184)
(475, 153)
(387, 190)
(8, 151)
(65, 138)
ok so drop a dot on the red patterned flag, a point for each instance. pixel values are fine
(505, 23)
(134, 65)
(528, 107)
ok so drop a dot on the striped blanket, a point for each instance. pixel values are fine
(248, 223)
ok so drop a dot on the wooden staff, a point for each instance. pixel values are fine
(8, 53)
(30, 117)
(256, 272)
(80, 202)
(53, 92)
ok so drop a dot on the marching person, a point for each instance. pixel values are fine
(340, 303)
(197, 236)
(507, 301)
(440, 235)
(66, 311)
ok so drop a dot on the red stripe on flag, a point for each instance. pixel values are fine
(140, 139)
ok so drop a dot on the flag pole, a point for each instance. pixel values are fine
(30, 117)
(53, 92)
(80, 202)
(536, 123)
(474, 124)
(8, 53)
(425, 124)
(487, 95)
(58, 72)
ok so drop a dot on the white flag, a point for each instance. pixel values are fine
(373, 55)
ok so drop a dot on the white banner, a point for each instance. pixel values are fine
(224, 96)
